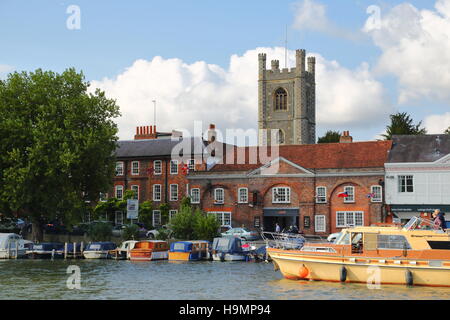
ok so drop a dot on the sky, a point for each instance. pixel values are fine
(198, 58)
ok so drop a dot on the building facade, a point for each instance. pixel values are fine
(418, 176)
(301, 187)
(287, 101)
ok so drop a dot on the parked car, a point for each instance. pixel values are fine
(152, 234)
(332, 237)
(242, 233)
(55, 227)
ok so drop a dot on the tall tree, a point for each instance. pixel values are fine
(330, 137)
(402, 123)
(56, 145)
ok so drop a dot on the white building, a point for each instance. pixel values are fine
(418, 176)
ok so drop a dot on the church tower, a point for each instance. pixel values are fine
(287, 101)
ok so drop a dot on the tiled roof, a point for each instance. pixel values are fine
(154, 147)
(370, 154)
(419, 148)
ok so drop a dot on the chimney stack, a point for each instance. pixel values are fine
(145, 132)
(346, 137)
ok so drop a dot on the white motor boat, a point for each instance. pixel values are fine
(98, 250)
(228, 249)
(12, 246)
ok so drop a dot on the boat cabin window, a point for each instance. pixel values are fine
(357, 242)
(387, 241)
(344, 238)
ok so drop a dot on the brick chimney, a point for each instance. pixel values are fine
(346, 137)
(145, 132)
(212, 134)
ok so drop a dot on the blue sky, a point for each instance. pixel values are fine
(114, 34)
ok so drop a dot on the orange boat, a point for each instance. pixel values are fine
(149, 250)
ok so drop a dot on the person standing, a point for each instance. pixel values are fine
(277, 228)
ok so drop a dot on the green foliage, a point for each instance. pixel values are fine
(130, 232)
(163, 234)
(402, 124)
(164, 208)
(146, 214)
(100, 231)
(330, 137)
(190, 224)
(56, 144)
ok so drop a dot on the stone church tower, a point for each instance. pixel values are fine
(287, 101)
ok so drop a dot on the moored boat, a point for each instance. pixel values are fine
(417, 254)
(148, 250)
(228, 249)
(123, 252)
(12, 246)
(46, 250)
(189, 250)
(98, 250)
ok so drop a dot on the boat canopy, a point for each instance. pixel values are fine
(417, 223)
(97, 246)
(6, 238)
(184, 246)
(48, 246)
(227, 245)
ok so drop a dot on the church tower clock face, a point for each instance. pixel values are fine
(287, 102)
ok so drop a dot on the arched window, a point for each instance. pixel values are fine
(280, 99)
(280, 137)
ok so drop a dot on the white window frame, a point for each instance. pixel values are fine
(156, 213)
(318, 223)
(217, 199)
(119, 165)
(173, 195)
(116, 215)
(193, 199)
(134, 170)
(405, 177)
(173, 162)
(155, 193)
(191, 164)
(349, 218)
(243, 197)
(157, 164)
(321, 198)
(222, 217)
(378, 199)
(116, 189)
(137, 191)
(351, 197)
(287, 195)
(172, 213)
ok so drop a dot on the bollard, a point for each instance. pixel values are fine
(65, 250)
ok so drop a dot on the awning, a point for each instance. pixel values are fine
(281, 212)
(420, 208)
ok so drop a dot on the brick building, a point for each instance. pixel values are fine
(298, 186)
(147, 166)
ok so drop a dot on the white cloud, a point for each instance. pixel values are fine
(312, 15)
(228, 97)
(415, 48)
(4, 70)
(437, 123)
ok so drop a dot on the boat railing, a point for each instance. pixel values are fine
(283, 240)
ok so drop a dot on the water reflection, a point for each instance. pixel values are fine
(106, 279)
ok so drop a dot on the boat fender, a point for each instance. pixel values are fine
(275, 266)
(343, 274)
(303, 272)
(409, 278)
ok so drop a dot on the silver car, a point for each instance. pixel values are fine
(243, 233)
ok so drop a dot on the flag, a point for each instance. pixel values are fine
(343, 194)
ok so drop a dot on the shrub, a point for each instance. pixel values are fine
(100, 231)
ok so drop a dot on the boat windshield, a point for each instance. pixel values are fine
(417, 223)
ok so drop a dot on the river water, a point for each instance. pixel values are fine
(109, 279)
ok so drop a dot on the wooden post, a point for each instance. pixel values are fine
(65, 250)
(74, 250)
(53, 254)
(82, 247)
(9, 250)
(17, 250)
